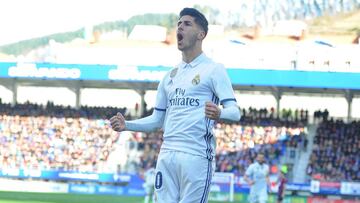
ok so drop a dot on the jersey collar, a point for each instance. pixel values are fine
(194, 62)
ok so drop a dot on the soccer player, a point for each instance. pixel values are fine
(186, 108)
(282, 181)
(149, 177)
(257, 176)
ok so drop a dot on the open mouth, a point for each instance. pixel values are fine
(179, 37)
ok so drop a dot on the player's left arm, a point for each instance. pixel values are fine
(156, 120)
(223, 90)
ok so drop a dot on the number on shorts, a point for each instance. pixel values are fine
(158, 180)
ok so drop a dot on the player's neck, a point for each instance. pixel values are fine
(190, 54)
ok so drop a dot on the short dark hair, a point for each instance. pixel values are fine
(198, 16)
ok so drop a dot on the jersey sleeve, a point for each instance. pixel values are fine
(249, 171)
(221, 84)
(267, 170)
(161, 98)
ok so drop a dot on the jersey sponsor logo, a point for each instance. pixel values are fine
(181, 100)
(196, 80)
(184, 101)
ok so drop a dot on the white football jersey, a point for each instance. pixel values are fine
(182, 94)
(258, 173)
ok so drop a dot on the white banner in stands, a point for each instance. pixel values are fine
(33, 186)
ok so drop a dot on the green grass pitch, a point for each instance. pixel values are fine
(25, 197)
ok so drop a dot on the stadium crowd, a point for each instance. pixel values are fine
(336, 154)
(238, 144)
(51, 110)
(259, 131)
(63, 138)
(54, 137)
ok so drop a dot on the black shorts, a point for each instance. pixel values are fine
(280, 198)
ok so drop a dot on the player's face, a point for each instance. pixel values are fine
(188, 33)
(260, 159)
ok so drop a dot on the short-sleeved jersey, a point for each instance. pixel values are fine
(183, 93)
(258, 173)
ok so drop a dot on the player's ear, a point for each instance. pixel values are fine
(201, 35)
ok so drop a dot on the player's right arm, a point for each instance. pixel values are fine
(247, 176)
(147, 124)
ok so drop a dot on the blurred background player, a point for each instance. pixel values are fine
(282, 183)
(257, 176)
(149, 180)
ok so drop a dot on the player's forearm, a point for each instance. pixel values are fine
(247, 180)
(268, 182)
(230, 111)
(148, 124)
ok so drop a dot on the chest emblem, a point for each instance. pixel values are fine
(196, 80)
(173, 73)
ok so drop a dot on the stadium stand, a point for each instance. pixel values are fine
(55, 137)
(62, 138)
(335, 155)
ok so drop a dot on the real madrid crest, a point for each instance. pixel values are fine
(173, 73)
(196, 80)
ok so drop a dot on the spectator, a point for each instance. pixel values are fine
(335, 154)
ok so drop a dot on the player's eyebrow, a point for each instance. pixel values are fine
(186, 22)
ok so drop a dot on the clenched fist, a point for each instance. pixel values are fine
(118, 122)
(212, 111)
